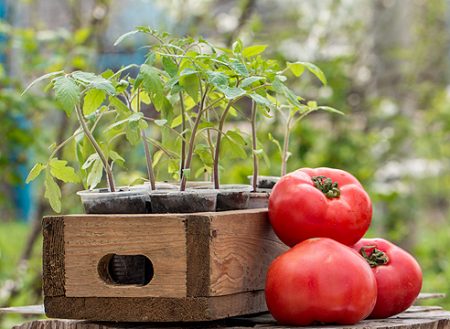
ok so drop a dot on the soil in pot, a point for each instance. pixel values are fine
(265, 182)
(233, 197)
(189, 201)
(126, 200)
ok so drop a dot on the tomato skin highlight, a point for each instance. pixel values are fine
(320, 280)
(299, 211)
(399, 281)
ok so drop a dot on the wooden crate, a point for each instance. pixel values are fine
(206, 266)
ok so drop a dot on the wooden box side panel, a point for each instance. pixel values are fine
(162, 239)
(154, 309)
(242, 247)
(53, 256)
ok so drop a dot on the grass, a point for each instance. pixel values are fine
(13, 236)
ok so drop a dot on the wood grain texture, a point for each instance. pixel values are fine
(53, 256)
(242, 247)
(427, 319)
(197, 248)
(161, 239)
(154, 309)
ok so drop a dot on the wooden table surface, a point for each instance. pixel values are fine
(417, 317)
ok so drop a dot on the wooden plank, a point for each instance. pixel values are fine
(197, 248)
(154, 309)
(30, 309)
(430, 295)
(242, 248)
(53, 256)
(429, 320)
(162, 239)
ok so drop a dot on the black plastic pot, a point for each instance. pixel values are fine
(233, 197)
(126, 200)
(258, 200)
(265, 182)
(189, 201)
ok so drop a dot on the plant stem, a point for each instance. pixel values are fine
(218, 142)
(255, 156)
(87, 132)
(148, 156)
(183, 132)
(192, 140)
(284, 155)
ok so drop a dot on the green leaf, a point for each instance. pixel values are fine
(280, 88)
(177, 121)
(119, 105)
(93, 100)
(190, 84)
(237, 47)
(236, 137)
(52, 192)
(232, 92)
(204, 153)
(124, 36)
(170, 66)
(261, 100)
(35, 171)
(188, 71)
(157, 157)
(217, 79)
(133, 132)
(311, 68)
(60, 170)
(330, 109)
(161, 122)
(67, 92)
(253, 50)
(95, 175)
(116, 158)
(239, 67)
(250, 80)
(41, 78)
(186, 172)
(232, 148)
(90, 160)
(296, 68)
(277, 143)
(152, 84)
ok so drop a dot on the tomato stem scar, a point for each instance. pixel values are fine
(375, 257)
(327, 186)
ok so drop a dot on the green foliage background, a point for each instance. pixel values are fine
(387, 68)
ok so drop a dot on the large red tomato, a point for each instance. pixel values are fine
(398, 275)
(320, 280)
(322, 202)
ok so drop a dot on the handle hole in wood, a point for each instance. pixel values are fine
(125, 269)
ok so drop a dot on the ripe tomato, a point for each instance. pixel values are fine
(322, 202)
(320, 280)
(398, 275)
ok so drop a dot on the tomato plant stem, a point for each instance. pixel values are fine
(90, 137)
(217, 150)
(255, 156)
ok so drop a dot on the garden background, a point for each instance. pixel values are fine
(387, 67)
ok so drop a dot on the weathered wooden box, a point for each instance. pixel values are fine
(206, 266)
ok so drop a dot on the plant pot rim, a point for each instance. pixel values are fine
(196, 191)
(120, 192)
(275, 178)
(235, 188)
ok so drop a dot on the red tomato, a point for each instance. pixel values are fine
(322, 202)
(398, 275)
(320, 280)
